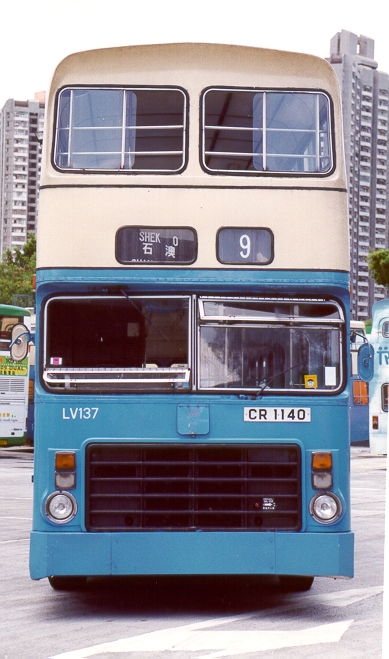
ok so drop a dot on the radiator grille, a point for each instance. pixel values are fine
(164, 487)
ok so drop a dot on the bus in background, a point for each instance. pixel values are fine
(192, 292)
(31, 385)
(359, 394)
(378, 386)
(14, 379)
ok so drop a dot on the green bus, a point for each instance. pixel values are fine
(14, 379)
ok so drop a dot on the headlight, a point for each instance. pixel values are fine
(61, 507)
(325, 508)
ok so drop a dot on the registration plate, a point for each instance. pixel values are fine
(272, 414)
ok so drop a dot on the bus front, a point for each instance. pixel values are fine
(192, 318)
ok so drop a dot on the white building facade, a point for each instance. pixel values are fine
(21, 129)
(365, 97)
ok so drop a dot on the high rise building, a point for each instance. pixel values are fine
(365, 97)
(21, 129)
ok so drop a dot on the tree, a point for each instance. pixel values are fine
(379, 266)
(17, 270)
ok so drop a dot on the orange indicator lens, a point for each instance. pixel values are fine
(321, 461)
(65, 461)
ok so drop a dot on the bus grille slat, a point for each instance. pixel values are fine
(193, 487)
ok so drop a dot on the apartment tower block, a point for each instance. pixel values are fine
(365, 97)
(21, 129)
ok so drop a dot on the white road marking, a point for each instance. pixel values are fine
(193, 638)
(226, 643)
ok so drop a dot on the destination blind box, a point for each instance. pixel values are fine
(157, 245)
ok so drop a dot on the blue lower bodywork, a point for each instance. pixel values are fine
(177, 553)
(62, 424)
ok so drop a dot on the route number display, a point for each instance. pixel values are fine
(245, 246)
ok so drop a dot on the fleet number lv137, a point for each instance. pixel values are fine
(79, 413)
(286, 414)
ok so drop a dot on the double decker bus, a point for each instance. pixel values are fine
(14, 379)
(359, 393)
(379, 384)
(192, 355)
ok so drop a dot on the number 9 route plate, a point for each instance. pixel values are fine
(272, 414)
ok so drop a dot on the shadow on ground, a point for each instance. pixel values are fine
(168, 595)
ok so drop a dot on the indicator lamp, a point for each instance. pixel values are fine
(65, 470)
(322, 470)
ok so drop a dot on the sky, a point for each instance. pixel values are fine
(36, 34)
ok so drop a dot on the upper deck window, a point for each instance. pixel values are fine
(132, 129)
(251, 131)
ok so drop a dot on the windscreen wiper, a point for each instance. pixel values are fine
(142, 314)
(267, 382)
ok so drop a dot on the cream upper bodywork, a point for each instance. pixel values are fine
(79, 213)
